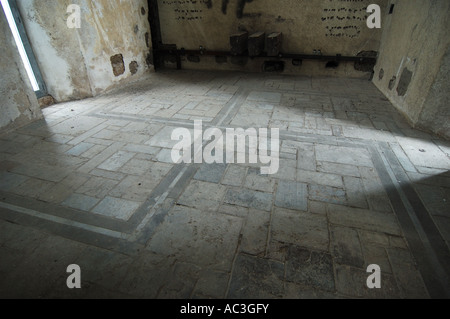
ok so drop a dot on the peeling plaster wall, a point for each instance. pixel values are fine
(435, 115)
(56, 48)
(413, 57)
(332, 26)
(76, 63)
(111, 27)
(18, 103)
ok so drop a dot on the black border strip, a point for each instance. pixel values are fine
(431, 253)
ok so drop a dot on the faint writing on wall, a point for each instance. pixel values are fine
(344, 18)
(188, 10)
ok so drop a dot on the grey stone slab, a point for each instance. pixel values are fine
(164, 138)
(255, 233)
(397, 242)
(346, 247)
(131, 138)
(135, 188)
(40, 270)
(116, 208)
(212, 173)
(376, 255)
(264, 97)
(406, 274)
(317, 207)
(327, 194)
(343, 155)
(165, 156)
(100, 158)
(99, 141)
(97, 187)
(117, 176)
(248, 198)
(339, 169)
(292, 195)
(211, 284)
(9, 180)
(21, 239)
(79, 149)
(325, 179)
(44, 172)
(256, 278)
(298, 228)
(373, 238)
(77, 125)
(432, 180)
(234, 175)
(203, 195)
(424, 153)
(33, 188)
(443, 224)
(144, 149)
(137, 167)
(82, 137)
(295, 291)
(288, 156)
(115, 162)
(198, 237)
(435, 198)
(364, 219)
(81, 202)
(11, 259)
(355, 193)
(375, 192)
(182, 282)
(352, 282)
(94, 151)
(233, 210)
(306, 157)
(103, 267)
(88, 291)
(368, 134)
(260, 183)
(146, 275)
(310, 268)
(60, 191)
(402, 158)
(286, 173)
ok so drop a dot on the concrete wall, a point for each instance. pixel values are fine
(18, 103)
(332, 26)
(76, 63)
(412, 69)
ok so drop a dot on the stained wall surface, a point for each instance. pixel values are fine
(331, 26)
(77, 63)
(412, 69)
(18, 103)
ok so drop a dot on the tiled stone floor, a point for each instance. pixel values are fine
(93, 184)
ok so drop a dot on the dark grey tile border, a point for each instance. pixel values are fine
(424, 239)
(74, 233)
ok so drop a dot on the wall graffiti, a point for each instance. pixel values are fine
(188, 10)
(343, 21)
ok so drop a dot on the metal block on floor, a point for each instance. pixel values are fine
(273, 43)
(256, 43)
(239, 43)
